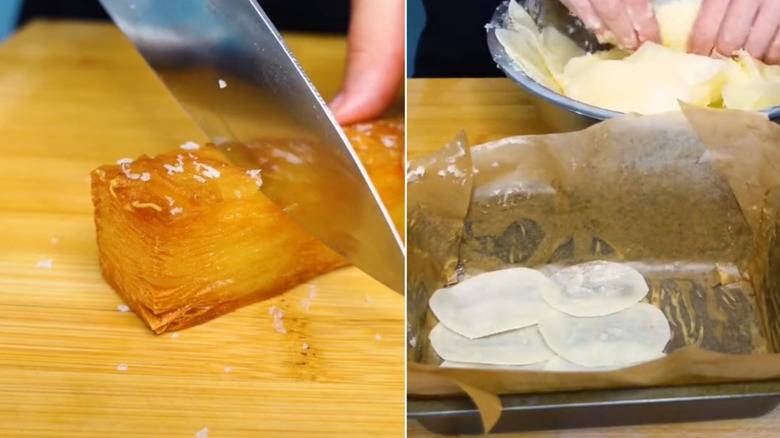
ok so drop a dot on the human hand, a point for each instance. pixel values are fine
(375, 60)
(725, 26)
(625, 23)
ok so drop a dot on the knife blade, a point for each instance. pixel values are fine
(228, 67)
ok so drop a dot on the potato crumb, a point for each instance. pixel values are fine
(46, 264)
(207, 171)
(121, 367)
(122, 308)
(175, 336)
(305, 346)
(278, 314)
(171, 169)
(255, 175)
(178, 168)
(222, 83)
(414, 175)
(190, 146)
(203, 433)
(454, 171)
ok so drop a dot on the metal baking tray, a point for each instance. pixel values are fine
(522, 413)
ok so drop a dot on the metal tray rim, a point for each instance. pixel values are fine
(455, 405)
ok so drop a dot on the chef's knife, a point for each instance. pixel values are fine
(229, 68)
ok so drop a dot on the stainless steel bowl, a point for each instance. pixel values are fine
(560, 112)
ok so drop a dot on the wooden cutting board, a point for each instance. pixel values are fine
(492, 109)
(72, 97)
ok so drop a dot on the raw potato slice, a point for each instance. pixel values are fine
(557, 50)
(675, 21)
(752, 96)
(520, 18)
(625, 87)
(596, 289)
(493, 302)
(704, 76)
(752, 85)
(517, 347)
(538, 366)
(637, 334)
(522, 45)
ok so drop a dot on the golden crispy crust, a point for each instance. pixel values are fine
(186, 236)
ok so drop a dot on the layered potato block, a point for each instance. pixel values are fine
(186, 236)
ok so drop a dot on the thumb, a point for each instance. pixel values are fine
(375, 60)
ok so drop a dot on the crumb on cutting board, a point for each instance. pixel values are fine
(278, 314)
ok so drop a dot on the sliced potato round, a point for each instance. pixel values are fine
(637, 334)
(516, 347)
(520, 18)
(493, 302)
(523, 47)
(596, 289)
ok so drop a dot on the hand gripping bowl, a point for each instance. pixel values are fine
(561, 113)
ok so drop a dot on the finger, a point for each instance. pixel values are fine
(773, 53)
(616, 19)
(736, 26)
(375, 60)
(585, 12)
(705, 29)
(764, 29)
(645, 23)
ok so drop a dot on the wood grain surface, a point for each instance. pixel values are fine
(72, 97)
(491, 109)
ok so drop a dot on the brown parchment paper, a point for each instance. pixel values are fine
(689, 198)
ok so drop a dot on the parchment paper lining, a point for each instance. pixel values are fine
(690, 198)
